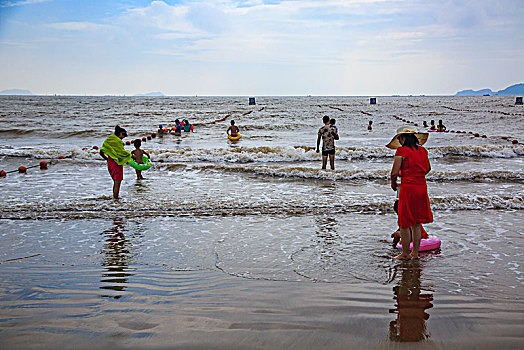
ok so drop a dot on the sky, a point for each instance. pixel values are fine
(260, 48)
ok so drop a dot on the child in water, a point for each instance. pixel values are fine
(233, 129)
(177, 128)
(188, 127)
(138, 155)
(441, 127)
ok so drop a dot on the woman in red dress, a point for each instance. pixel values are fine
(411, 164)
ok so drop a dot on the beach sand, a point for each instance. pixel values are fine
(163, 283)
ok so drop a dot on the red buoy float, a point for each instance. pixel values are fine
(484, 136)
(43, 165)
(476, 134)
(128, 143)
(95, 147)
(3, 173)
(22, 169)
(149, 137)
(61, 157)
(153, 135)
(514, 142)
(144, 139)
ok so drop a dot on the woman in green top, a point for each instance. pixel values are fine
(113, 151)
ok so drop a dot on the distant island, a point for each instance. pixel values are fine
(151, 94)
(517, 89)
(15, 92)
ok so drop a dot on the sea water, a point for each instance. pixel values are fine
(255, 219)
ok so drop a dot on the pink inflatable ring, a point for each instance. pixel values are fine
(431, 243)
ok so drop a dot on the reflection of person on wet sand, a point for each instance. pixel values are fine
(116, 256)
(411, 303)
(327, 238)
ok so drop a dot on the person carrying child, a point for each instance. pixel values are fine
(328, 134)
(138, 156)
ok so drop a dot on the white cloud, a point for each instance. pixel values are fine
(160, 16)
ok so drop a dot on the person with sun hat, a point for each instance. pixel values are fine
(411, 164)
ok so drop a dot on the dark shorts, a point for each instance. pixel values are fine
(326, 153)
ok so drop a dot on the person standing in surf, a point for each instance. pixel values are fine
(411, 164)
(113, 151)
(328, 134)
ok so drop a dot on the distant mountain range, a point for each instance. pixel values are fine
(513, 90)
(152, 94)
(517, 89)
(15, 92)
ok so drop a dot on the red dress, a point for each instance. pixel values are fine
(413, 202)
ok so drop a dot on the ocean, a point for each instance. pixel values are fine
(249, 244)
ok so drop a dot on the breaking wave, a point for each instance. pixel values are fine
(103, 207)
(267, 153)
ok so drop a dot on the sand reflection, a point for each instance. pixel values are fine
(116, 256)
(411, 305)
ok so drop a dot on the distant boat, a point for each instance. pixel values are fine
(486, 95)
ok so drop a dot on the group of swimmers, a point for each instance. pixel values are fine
(439, 128)
(177, 128)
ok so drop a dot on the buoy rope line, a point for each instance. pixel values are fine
(475, 134)
(472, 111)
(43, 164)
(14, 171)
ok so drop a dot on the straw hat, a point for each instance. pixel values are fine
(421, 136)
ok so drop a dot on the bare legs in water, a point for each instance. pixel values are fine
(406, 234)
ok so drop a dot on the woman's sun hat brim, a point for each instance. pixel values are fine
(395, 143)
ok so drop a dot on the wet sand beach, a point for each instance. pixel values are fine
(248, 244)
